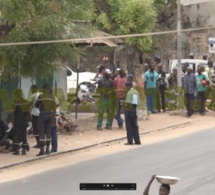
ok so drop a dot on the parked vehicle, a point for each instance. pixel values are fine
(193, 63)
(85, 78)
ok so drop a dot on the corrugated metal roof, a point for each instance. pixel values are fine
(105, 41)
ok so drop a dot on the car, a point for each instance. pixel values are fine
(85, 78)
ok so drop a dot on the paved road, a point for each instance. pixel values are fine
(191, 157)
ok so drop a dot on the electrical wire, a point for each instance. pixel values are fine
(75, 40)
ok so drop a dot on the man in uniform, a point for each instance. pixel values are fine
(20, 118)
(106, 101)
(130, 110)
(47, 105)
(35, 113)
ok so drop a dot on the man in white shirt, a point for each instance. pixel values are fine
(35, 113)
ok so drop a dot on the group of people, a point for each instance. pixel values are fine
(117, 95)
(40, 112)
(196, 87)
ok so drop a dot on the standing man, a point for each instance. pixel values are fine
(106, 101)
(209, 70)
(150, 79)
(119, 84)
(55, 124)
(47, 106)
(99, 74)
(130, 110)
(202, 81)
(162, 84)
(189, 87)
(35, 113)
(20, 118)
(107, 65)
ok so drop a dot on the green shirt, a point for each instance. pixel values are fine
(199, 79)
(129, 95)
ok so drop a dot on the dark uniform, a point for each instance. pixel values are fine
(161, 83)
(35, 113)
(20, 118)
(106, 102)
(47, 105)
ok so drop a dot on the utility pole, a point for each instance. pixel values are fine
(179, 42)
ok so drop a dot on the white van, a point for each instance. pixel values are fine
(84, 77)
(193, 63)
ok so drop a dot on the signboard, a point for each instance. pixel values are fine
(211, 44)
(191, 2)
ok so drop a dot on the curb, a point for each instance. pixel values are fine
(86, 147)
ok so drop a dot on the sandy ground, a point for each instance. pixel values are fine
(86, 134)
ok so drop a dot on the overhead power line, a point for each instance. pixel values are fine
(74, 40)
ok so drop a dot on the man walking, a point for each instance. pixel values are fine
(130, 110)
(47, 105)
(150, 78)
(189, 87)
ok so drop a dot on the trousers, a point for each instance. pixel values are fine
(44, 128)
(132, 127)
(20, 135)
(54, 141)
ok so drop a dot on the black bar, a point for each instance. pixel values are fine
(108, 186)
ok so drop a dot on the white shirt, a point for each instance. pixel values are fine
(35, 111)
(134, 99)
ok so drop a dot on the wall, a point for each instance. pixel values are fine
(195, 16)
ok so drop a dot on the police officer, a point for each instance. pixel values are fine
(130, 110)
(20, 119)
(35, 113)
(46, 105)
(106, 101)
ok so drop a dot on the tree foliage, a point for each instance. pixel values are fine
(128, 17)
(166, 12)
(39, 20)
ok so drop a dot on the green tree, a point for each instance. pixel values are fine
(166, 12)
(39, 20)
(128, 17)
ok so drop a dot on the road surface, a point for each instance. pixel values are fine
(190, 157)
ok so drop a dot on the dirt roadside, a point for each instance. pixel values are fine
(157, 128)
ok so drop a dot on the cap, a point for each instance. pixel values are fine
(107, 71)
(118, 69)
(130, 76)
(129, 84)
(100, 66)
(157, 57)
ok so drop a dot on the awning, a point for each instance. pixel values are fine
(105, 41)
